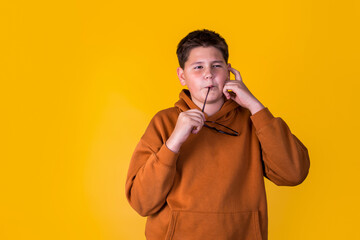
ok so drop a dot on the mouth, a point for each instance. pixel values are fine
(210, 86)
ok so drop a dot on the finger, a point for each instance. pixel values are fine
(197, 129)
(197, 112)
(196, 125)
(230, 91)
(230, 86)
(236, 73)
(226, 93)
(196, 121)
(233, 83)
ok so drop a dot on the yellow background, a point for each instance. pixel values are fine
(80, 81)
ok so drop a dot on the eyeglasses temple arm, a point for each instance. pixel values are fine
(205, 100)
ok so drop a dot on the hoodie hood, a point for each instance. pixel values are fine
(226, 112)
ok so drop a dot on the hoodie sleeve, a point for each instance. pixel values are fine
(286, 159)
(151, 172)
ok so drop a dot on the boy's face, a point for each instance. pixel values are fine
(205, 67)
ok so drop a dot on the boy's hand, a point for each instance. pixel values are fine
(188, 122)
(240, 93)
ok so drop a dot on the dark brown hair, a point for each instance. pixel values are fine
(200, 38)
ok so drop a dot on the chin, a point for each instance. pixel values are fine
(216, 98)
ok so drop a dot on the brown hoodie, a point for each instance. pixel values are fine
(214, 187)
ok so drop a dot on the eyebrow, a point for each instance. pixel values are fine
(217, 61)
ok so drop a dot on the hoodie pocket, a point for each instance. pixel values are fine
(214, 226)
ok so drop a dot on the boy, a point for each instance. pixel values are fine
(198, 170)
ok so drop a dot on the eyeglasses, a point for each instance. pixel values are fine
(231, 132)
(226, 129)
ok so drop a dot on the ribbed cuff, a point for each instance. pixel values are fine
(166, 156)
(261, 118)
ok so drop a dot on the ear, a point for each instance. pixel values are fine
(229, 66)
(180, 73)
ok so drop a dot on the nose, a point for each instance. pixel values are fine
(208, 73)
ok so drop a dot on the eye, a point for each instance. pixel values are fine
(197, 67)
(217, 66)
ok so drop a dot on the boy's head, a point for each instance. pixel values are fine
(203, 57)
(200, 38)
